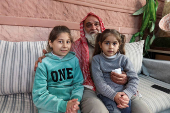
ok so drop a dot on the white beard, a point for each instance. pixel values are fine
(91, 38)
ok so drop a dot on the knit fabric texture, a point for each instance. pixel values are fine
(101, 69)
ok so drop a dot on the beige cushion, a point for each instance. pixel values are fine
(134, 51)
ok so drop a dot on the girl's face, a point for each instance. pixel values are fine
(61, 45)
(109, 46)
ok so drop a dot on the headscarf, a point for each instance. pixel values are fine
(80, 47)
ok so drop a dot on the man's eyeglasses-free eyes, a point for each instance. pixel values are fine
(89, 24)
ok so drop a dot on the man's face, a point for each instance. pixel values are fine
(92, 25)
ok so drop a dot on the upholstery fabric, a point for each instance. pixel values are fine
(134, 51)
(157, 100)
(17, 103)
(17, 61)
(162, 68)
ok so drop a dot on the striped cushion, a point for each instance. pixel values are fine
(157, 100)
(134, 51)
(17, 103)
(17, 61)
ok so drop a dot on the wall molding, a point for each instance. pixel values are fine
(46, 23)
(101, 5)
(36, 22)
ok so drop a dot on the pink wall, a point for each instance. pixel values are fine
(32, 20)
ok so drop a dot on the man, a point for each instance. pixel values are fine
(90, 26)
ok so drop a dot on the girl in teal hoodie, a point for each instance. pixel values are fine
(58, 79)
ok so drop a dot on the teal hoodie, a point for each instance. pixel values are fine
(56, 82)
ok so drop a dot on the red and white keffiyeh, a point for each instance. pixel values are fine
(80, 47)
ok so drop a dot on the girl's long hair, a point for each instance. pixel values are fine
(108, 32)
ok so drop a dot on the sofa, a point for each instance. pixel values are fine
(17, 61)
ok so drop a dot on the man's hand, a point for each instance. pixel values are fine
(39, 59)
(119, 78)
(72, 106)
(122, 100)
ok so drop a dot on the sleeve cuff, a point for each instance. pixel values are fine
(128, 93)
(76, 97)
(63, 106)
(114, 96)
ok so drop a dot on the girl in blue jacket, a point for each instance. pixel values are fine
(58, 79)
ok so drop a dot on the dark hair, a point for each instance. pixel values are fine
(108, 32)
(54, 34)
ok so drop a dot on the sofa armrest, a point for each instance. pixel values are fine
(158, 69)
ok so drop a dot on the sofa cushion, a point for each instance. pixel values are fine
(157, 100)
(161, 66)
(17, 103)
(134, 51)
(17, 61)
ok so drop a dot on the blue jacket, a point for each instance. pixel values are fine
(56, 82)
